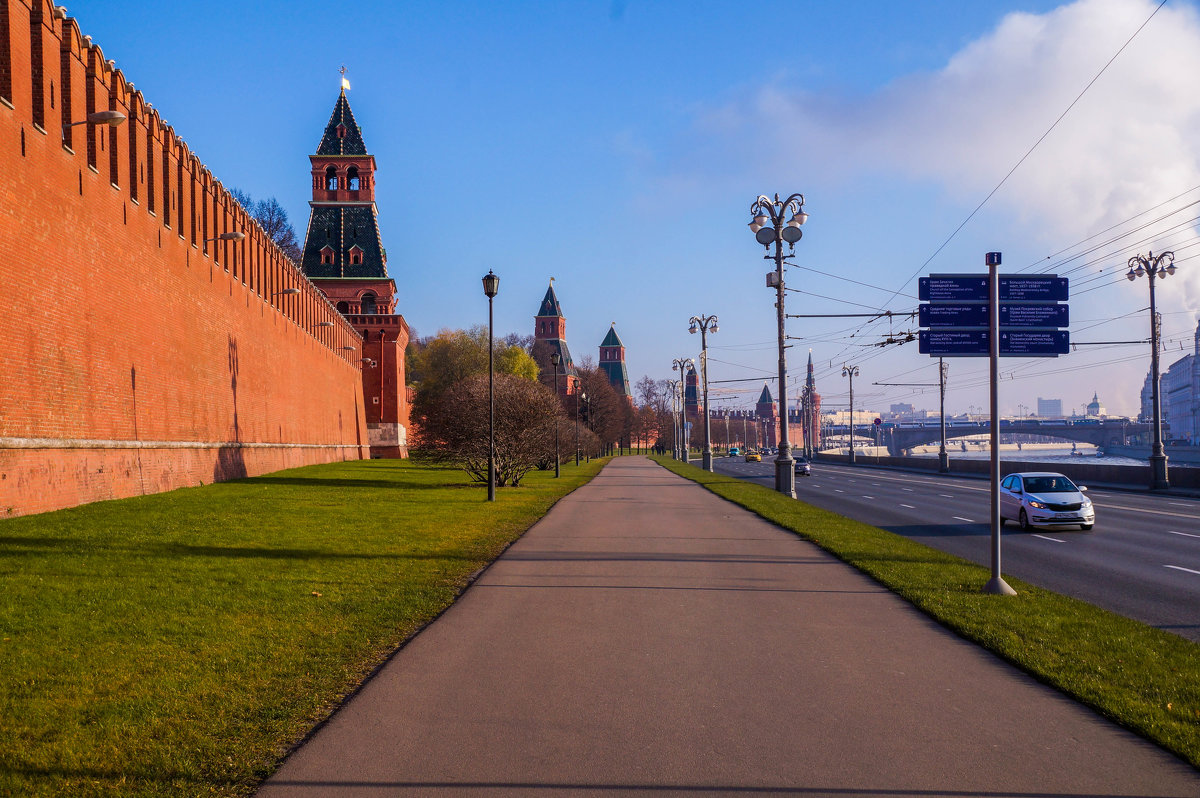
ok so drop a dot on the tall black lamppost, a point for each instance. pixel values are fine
(681, 364)
(578, 397)
(851, 372)
(587, 403)
(491, 285)
(705, 324)
(674, 386)
(1154, 266)
(556, 358)
(769, 227)
(943, 458)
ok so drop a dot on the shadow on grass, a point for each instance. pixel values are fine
(183, 549)
(333, 482)
(45, 543)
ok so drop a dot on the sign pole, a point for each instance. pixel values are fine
(996, 585)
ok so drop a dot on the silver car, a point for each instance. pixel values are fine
(1044, 498)
(803, 468)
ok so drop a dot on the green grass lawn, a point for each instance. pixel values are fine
(179, 644)
(1144, 678)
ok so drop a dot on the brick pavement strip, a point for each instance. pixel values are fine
(649, 638)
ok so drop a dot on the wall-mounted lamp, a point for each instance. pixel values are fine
(236, 235)
(110, 118)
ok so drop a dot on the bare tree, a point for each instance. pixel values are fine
(273, 219)
(526, 413)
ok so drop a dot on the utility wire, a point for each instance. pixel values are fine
(1029, 152)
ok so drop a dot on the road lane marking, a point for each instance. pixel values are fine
(945, 495)
(1181, 568)
(909, 506)
(960, 518)
(1185, 534)
(1043, 537)
(838, 490)
(910, 490)
(1179, 504)
(868, 497)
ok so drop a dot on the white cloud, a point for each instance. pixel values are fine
(1130, 143)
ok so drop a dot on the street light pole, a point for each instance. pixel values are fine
(705, 324)
(1154, 266)
(681, 364)
(769, 227)
(851, 372)
(556, 358)
(491, 285)
(943, 458)
(578, 397)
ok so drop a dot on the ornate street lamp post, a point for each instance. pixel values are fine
(556, 358)
(851, 372)
(491, 285)
(769, 227)
(1154, 266)
(705, 325)
(681, 364)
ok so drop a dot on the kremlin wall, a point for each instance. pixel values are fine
(141, 354)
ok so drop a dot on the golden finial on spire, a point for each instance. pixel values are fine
(345, 83)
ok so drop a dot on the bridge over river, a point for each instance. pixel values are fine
(1102, 434)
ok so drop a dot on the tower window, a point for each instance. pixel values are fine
(356, 256)
(326, 254)
(341, 131)
(368, 304)
(352, 178)
(331, 179)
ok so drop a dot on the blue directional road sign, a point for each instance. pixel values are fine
(1034, 343)
(974, 343)
(974, 288)
(1038, 314)
(1033, 288)
(953, 288)
(953, 343)
(938, 315)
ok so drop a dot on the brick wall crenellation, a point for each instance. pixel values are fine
(126, 325)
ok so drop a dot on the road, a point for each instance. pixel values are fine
(1142, 560)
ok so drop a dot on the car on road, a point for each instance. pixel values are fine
(1044, 498)
(753, 457)
(734, 451)
(803, 467)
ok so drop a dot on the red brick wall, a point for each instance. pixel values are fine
(138, 358)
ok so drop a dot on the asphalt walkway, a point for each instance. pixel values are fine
(648, 638)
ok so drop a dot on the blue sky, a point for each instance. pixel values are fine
(617, 147)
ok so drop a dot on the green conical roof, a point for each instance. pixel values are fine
(351, 141)
(612, 339)
(764, 398)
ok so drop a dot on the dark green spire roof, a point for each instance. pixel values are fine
(612, 339)
(550, 306)
(764, 398)
(351, 141)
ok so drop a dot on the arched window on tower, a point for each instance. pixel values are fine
(368, 303)
(352, 178)
(331, 179)
(343, 307)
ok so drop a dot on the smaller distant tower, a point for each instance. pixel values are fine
(767, 417)
(612, 361)
(550, 336)
(691, 393)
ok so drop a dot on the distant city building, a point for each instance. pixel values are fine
(1179, 392)
(900, 412)
(1094, 408)
(1049, 408)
